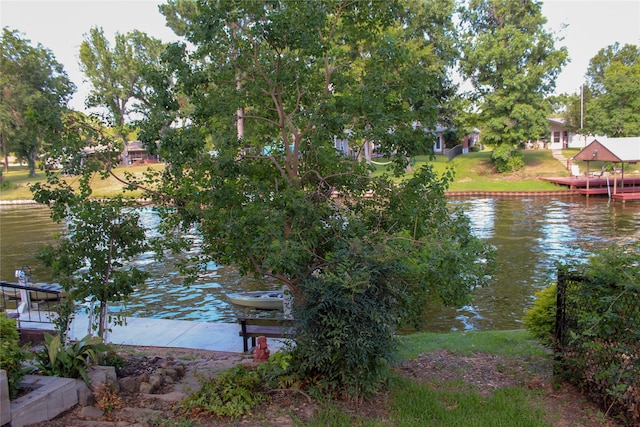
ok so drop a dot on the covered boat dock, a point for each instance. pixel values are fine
(609, 150)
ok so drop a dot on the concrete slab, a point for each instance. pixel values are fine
(50, 396)
(172, 333)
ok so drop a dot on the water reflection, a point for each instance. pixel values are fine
(531, 236)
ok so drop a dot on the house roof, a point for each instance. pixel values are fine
(611, 150)
(556, 120)
(135, 146)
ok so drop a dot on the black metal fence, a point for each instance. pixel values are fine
(598, 341)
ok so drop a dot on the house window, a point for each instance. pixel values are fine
(556, 136)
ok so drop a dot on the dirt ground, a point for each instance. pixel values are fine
(566, 406)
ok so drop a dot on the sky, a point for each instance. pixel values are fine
(586, 26)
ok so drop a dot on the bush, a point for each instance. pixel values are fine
(69, 361)
(507, 159)
(236, 391)
(601, 349)
(346, 338)
(540, 319)
(232, 394)
(12, 356)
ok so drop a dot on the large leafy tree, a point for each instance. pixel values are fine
(34, 91)
(512, 63)
(613, 79)
(117, 74)
(361, 253)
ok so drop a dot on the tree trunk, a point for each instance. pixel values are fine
(6, 154)
(103, 325)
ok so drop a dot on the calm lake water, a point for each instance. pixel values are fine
(531, 236)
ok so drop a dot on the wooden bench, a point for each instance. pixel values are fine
(253, 327)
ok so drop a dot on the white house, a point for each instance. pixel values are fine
(367, 151)
(560, 137)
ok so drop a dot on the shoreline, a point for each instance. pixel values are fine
(465, 193)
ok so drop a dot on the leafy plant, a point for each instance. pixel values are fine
(12, 356)
(347, 357)
(232, 394)
(71, 360)
(540, 319)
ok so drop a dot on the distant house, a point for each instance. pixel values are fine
(135, 153)
(367, 151)
(440, 147)
(560, 137)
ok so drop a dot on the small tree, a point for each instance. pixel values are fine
(90, 260)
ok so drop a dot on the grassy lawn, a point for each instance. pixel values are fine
(453, 393)
(473, 172)
(15, 185)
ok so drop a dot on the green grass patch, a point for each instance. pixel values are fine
(452, 402)
(415, 404)
(16, 182)
(502, 343)
(475, 172)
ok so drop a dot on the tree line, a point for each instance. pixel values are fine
(245, 112)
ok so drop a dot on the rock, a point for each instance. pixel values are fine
(5, 415)
(173, 397)
(140, 413)
(171, 373)
(129, 384)
(179, 370)
(85, 395)
(155, 381)
(146, 388)
(101, 374)
(91, 412)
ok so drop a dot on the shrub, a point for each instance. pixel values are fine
(601, 349)
(232, 394)
(540, 319)
(507, 159)
(237, 390)
(347, 337)
(72, 360)
(12, 356)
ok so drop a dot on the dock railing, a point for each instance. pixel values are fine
(32, 305)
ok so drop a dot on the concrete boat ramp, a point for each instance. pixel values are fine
(150, 332)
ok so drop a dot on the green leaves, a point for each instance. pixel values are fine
(117, 73)
(512, 63)
(12, 355)
(35, 90)
(613, 82)
(271, 88)
(90, 261)
(69, 360)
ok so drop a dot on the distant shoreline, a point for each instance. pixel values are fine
(452, 194)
